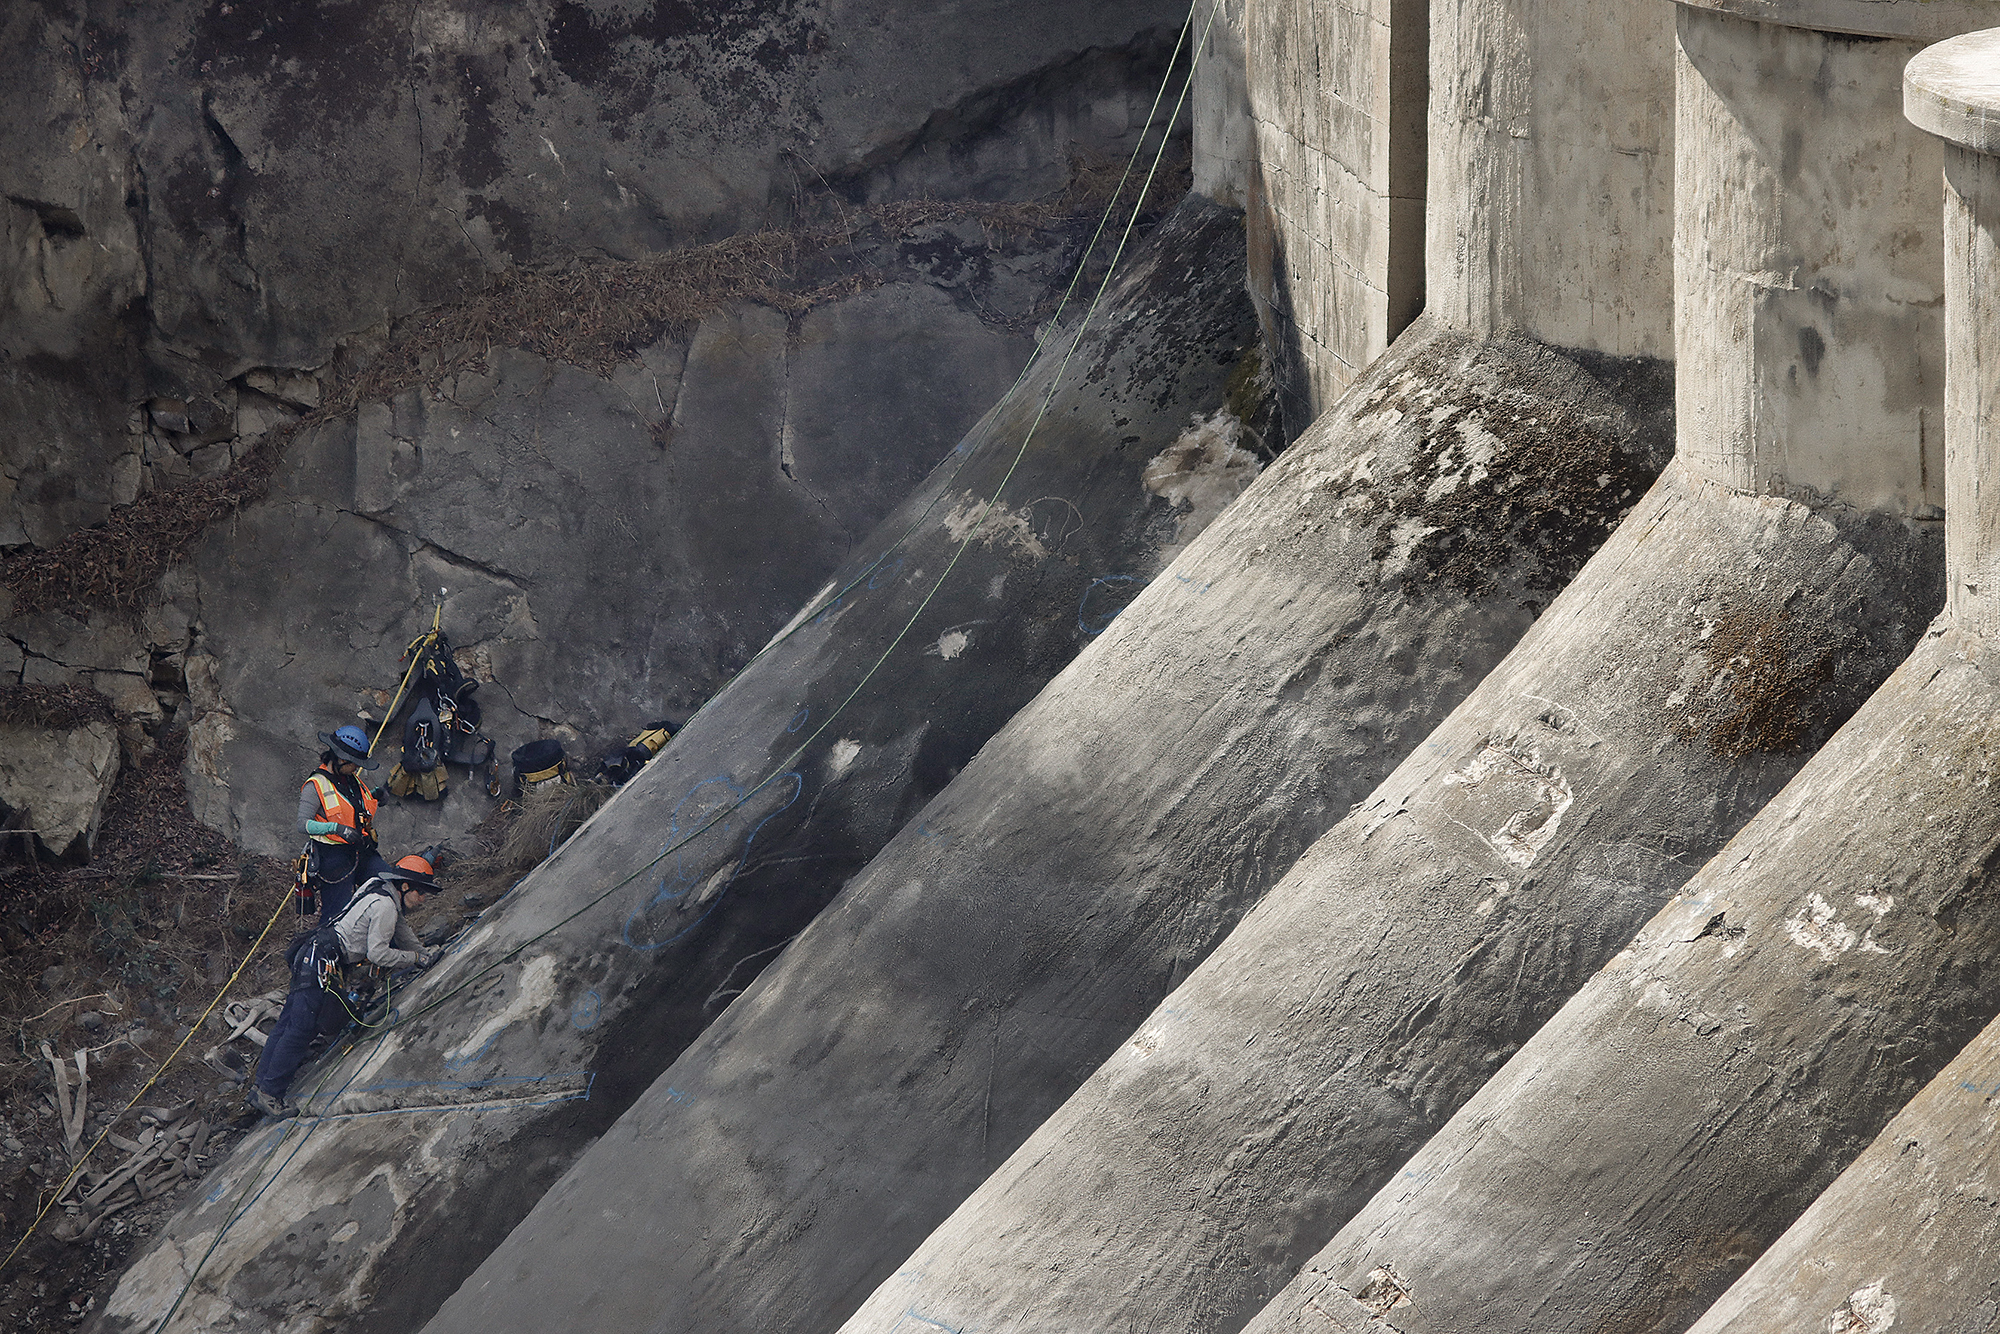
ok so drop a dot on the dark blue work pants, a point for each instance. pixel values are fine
(309, 1013)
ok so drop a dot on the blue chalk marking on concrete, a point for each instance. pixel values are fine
(574, 1095)
(912, 1314)
(1095, 624)
(663, 896)
(485, 1050)
(1202, 587)
(676, 1096)
(924, 831)
(679, 876)
(875, 578)
(798, 720)
(584, 1014)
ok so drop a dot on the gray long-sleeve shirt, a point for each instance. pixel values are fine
(374, 929)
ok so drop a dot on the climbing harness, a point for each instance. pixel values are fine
(444, 722)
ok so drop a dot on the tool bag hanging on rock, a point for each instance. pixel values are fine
(622, 766)
(443, 725)
(538, 764)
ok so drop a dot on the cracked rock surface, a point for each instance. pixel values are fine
(597, 578)
(201, 199)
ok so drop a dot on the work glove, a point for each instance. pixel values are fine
(425, 958)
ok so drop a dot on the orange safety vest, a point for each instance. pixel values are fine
(335, 806)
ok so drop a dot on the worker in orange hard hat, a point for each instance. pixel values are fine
(372, 931)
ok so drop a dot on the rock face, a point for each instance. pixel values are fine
(612, 548)
(571, 997)
(201, 200)
(54, 781)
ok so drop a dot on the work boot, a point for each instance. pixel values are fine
(271, 1105)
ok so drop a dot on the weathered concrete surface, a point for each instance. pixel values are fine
(1749, 1043)
(1013, 935)
(1552, 171)
(614, 547)
(1641, 1149)
(1432, 932)
(57, 780)
(613, 956)
(1426, 937)
(1902, 1239)
(1921, 20)
(1953, 91)
(1905, 1238)
(1225, 143)
(194, 192)
(1809, 259)
(1336, 208)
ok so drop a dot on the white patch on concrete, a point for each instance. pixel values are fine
(713, 885)
(1814, 928)
(952, 643)
(1879, 904)
(344, 1232)
(1540, 793)
(996, 527)
(843, 754)
(996, 586)
(811, 603)
(1199, 474)
(1500, 890)
(1868, 1310)
(534, 989)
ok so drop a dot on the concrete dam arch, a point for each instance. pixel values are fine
(1507, 859)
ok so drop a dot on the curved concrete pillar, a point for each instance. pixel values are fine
(1432, 932)
(1907, 1237)
(1642, 1149)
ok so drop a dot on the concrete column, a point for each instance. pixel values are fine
(1688, 1103)
(1224, 146)
(1949, 92)
(1907, 1237)
(1809, 266)
(1531, 193)
(1337, 96)
(1552, 170)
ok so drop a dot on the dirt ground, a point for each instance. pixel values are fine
(119, 959)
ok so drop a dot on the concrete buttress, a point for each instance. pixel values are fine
(1642, 1149)
(995, 953)
(581, 985)
(1010, 938)
(1905, 1238)
(1675, 686)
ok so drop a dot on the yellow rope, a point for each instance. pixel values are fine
(417, 649)
(171, 1058)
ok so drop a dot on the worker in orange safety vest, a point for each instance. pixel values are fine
(337, 816)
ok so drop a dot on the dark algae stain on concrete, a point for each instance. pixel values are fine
(1527, 472)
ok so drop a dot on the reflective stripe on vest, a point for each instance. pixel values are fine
(335, 806)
